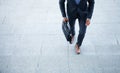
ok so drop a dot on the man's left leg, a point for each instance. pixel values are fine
(81, 35)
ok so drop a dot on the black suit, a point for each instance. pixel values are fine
(80, 11)
(73, 8)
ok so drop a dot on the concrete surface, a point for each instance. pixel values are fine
(31, 39)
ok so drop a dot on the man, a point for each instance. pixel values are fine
(81, 10)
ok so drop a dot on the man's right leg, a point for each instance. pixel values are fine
(72, 26)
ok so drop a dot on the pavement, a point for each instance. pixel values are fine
(32, 41)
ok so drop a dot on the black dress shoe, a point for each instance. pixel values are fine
(72, 39)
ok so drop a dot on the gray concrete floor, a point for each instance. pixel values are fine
(31, 39)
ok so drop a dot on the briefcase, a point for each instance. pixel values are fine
(66, 31)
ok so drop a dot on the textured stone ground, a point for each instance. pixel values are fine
(31, 39)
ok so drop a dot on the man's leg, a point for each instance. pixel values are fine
(72, 26)
(82, 31)
(72, 29)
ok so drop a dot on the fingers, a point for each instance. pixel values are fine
(87, 22)
(65, 19)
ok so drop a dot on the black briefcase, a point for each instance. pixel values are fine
(66, 31)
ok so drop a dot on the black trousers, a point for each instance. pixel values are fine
(82, 27)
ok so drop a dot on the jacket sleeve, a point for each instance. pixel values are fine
(62, 7)
(90, 8)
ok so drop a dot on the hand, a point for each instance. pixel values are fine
(65, 19)
(87, 22)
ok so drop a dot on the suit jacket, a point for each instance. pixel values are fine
(84, 8)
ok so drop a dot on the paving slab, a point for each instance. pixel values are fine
(32, 41)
